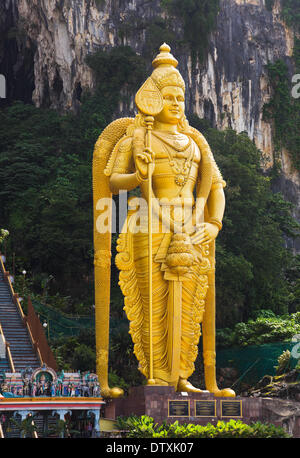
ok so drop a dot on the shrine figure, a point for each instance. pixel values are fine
(167, 260)
(26, 388)
(53, 389)
(34, 389)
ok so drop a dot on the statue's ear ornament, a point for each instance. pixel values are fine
(148, 99)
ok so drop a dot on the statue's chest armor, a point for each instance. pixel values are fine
(177, 158)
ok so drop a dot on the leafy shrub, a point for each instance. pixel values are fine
(144, 427)
(266, 328)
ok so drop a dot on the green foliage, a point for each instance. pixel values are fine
(115, 380)
(100, 3)
(291, 13)
(122, 360)
(46, 186)
(284, 363)
(144, 427)
(26, 426)
(296, 53)
(196, 17)
(284, 110)
(199, 17)
(46, 192)
(115, 69)
(266, 328)
(74, 353)
(252, 262)
(293, 279)
(157, 32)
(84, 358)
(270, 4)
(60, 429)
(3, 235)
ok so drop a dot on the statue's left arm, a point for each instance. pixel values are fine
(209, 223)
(206, 234)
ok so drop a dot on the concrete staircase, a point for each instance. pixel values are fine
(12, 431)
(4, 366)
(15, 332)
(39, 422)
(45, 423)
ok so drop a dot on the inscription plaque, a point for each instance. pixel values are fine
(231, 409)
(205, 408)
(179, 409)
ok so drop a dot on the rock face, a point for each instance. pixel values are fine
(285, 386)
(16, 54)
(230, 87)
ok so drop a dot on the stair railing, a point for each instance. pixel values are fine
(15, 297)
(39, 336)
(34, 434)
(11, 363)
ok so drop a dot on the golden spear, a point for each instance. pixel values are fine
(150, 102)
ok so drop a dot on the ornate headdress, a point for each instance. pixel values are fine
(148, 98)
(165, 73)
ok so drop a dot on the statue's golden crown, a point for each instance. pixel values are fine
(165, 72)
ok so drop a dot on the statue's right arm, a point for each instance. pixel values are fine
(123, 176)
(129, 169)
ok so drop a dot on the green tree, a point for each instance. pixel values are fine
(199, 18)
(46, 177)
(252, 261)
(284, 110)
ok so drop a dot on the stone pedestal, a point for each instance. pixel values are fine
(164, 404)
(160, 403)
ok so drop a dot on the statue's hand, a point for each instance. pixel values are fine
(205, 233)
(142, 160)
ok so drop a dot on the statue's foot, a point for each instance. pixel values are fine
(112, 392)
(226, 393)
(185, 385)
(157, 382)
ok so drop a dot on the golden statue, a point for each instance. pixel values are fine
(167, 262)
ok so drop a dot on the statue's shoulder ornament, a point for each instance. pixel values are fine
(121, 153)
(210, 167)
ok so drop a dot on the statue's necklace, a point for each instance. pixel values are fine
(181, 169)
(174, 142)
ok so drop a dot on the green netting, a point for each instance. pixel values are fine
(59, 324)
(253, 362)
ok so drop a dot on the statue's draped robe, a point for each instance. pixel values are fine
(176, 324)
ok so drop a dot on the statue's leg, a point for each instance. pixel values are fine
(190, 332)
(209, 339)
(159, 310)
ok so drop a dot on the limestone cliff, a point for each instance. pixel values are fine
(229, 87)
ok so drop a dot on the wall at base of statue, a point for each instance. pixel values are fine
(164, 404)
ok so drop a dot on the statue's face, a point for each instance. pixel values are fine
(173, 110)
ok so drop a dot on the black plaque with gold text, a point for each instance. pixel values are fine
(231, 409)
(179, 409)
(205, 408)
